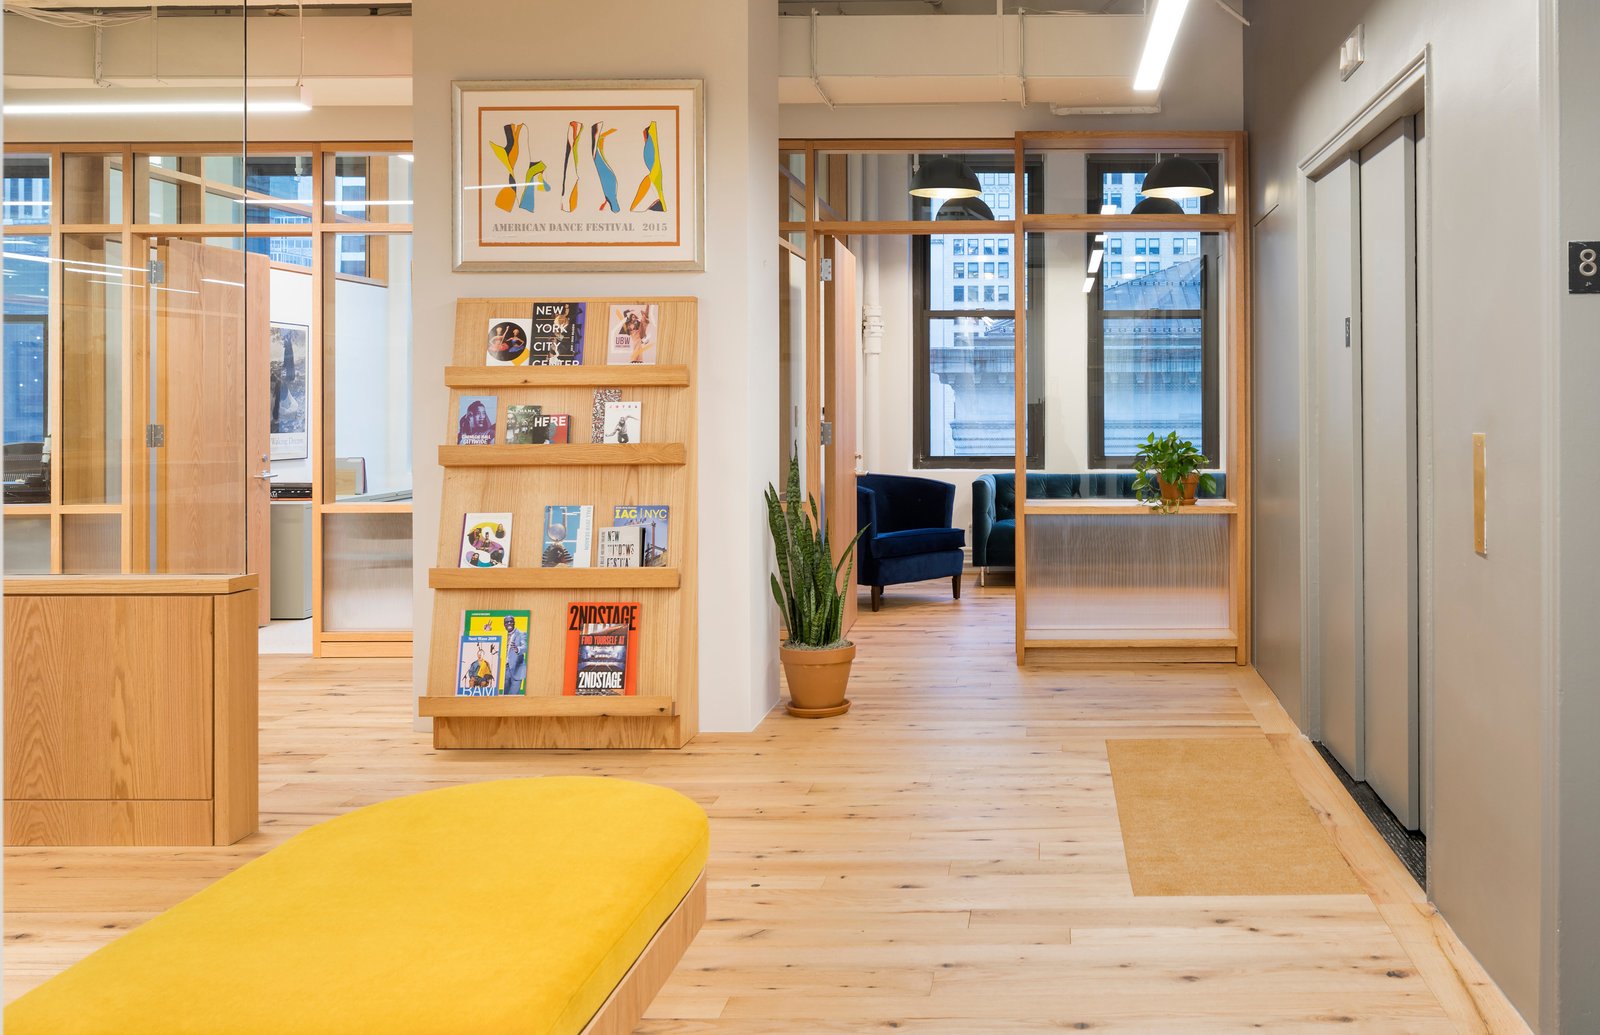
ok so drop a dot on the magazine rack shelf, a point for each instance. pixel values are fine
(576, 455)
(482, 378)
(553, 578)
(523, 480)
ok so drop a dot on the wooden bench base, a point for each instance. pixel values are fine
(625, 1006)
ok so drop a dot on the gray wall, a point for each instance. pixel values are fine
(1485, 291)
(1573, 899)
(732, 46)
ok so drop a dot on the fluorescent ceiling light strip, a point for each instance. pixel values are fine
(1088, 284)
(367, 204)
(224, 283)
(407, 157)
(1094, 260)
(1158, 45)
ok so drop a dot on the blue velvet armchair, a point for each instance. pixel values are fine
(909, 537)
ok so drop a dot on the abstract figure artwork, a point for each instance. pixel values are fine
(608, 175)
(569, 168)
(652, 176)
(510, 138)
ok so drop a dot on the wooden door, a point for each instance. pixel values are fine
(840, 335)
(211, 503)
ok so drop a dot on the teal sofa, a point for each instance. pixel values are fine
(994, 507)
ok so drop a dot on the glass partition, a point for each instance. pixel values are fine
(129, 424)
(367, 345)
(1110, 180)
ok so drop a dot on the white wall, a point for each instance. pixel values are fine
(732, 45)
(1484, 292)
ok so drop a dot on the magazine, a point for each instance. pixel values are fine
(475, 420)
(602, 650)
(557, 334)
(602, 397)
(478, 673)
(653, 518)
(621, 547)
(568, 535)
(631, 333)
(623, 421)
(508, 342)
(485, 541)
(531, 426)
(508, 630)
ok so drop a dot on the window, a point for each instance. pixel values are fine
(958, 247)
(1153, 343)
(959, 269)
(963, 383)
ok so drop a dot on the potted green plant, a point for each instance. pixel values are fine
(1179, 472)
(816, 656)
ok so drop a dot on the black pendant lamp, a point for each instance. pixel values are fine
(1177, 177)
(963, 209)
(945, 178)
(1157, 207)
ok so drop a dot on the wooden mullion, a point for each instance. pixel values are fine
(55, 281)
(318, 388)
(1019, 380)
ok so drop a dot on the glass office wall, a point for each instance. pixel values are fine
(129, 339)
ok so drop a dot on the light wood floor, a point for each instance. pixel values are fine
(945, 858)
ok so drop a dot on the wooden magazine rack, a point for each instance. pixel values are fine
(660, 469)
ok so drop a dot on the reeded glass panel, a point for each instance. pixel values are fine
(366, 572)
(92, 188)
(27, 369)
(27, 190)
(27, 545)
(92, 302)
(369, 188)
(367, 331)
(1113, 572)
(91, 544)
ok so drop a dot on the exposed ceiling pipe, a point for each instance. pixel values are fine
(1115, 109)
(1229, 8)
(1022, 52)
(816, 81)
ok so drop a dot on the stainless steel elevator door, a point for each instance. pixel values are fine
(1388, 362)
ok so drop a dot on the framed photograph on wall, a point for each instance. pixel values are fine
(579, 175)
(289, 372)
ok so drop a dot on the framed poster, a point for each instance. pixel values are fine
(289, 373)
(579, 175)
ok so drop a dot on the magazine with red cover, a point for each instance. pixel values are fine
(602, 650)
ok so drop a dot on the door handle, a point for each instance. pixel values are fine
(266, 476)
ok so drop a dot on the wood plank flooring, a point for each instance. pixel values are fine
(943, 859)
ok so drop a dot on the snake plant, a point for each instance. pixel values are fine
(807, 585)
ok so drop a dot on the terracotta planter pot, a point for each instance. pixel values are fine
(817, 679)
(1183, 493)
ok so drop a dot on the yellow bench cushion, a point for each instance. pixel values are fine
(511, 906)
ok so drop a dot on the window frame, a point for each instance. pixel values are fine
(922, 317)
(1099, 166)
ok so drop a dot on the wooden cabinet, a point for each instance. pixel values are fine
(131, 710)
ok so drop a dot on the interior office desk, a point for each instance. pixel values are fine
(131, 709)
